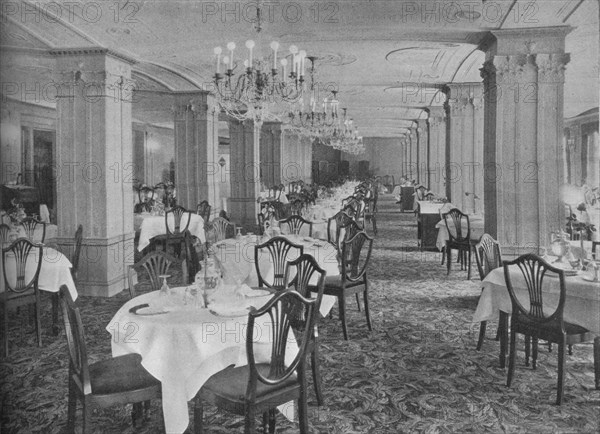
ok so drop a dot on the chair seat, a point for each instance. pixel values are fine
(575, 333)
(120, 374)
(335, 282)
(27, 297)
(231, 383)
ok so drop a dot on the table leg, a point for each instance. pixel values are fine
(503, 329)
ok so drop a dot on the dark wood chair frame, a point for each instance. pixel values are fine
(488, 257)
(295, 223)
(23, 293)
(155, 264)
(458, 241)
(30, 224)
(537, 324)
(288, 312)
(279, 248)
(306, 266)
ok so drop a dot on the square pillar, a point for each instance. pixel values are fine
(422, 152)
(464, 175)
(94, 165)
(437, 150)
(523, 122)
(270, 153)
(244, 172)
(412, 154)
(196, 130)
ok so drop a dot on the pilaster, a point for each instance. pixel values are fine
(422, 152)
(95, 164)
(437, 149)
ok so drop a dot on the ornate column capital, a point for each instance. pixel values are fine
(551, 66)
(510, 68)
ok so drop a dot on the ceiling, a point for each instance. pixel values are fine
(387, 58)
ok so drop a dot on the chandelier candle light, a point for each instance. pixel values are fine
(256, 93)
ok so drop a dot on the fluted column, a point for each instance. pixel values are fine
(437, 149)
(464, 174)
(94, 159)
(245, 172)
(270, 153)
(523, 92)
(412, 153)
(422, 152)
(196, 129)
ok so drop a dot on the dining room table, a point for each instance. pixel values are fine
(476, 225)
(154, 225)
(236, 257)
(183, 342)
(582, 301)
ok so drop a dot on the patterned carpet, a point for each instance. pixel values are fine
(417, 371)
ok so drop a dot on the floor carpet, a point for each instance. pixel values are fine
(417, 371)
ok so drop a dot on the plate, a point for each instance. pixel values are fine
(256, 293)
(146, 310)
(230, 314)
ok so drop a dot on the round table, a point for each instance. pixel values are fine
(183, 345)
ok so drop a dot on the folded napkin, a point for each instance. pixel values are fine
(44, 213)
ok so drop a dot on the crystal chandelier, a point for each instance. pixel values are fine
(308, 120)
(344, 137)
(260, 91)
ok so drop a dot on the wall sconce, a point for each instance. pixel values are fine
(222, 162)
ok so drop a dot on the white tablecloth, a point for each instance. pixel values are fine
(54, 272)
(582, 304)
(155, 225)
(428, 207)
(183, 348)
(236, 258)
(318, 215)
(475, 222)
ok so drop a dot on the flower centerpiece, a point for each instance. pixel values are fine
(16, 213)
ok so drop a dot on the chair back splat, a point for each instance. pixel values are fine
(281, 251)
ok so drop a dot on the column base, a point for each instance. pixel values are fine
(102, 264)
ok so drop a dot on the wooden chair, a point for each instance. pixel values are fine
(279, 249)
(203, 210)
(21, 292)
(258, 388)
(30, 224)
(4, 231)
(192, 259)
(295, 223)
(222, 228)
(595, 250)
(174, 232)
(341, 219)
(305, 267)
(76, 252)
(155, 264)
(538, 321)
(420, 192)
(458, 238)
(356, 253)
(487, 256)
(115, 381)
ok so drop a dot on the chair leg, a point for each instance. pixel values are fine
(72, 407)
(570, 350)
(198, 416)
(314, 364)
(367, 312)
(448, 258)
(342, 308)
(511, 357)
(357, 301)
(503, 325)
(469, 264)
(38, 322)
(561, 372)
(5, 332)
(527, 349)
(549, 347)
(137, 414)
(482, 328)
(87, 418)
(272, 421)
(443, 254)
(302, 407)
(597, 362)
(534, 352)
(249, 422)
(55, 327)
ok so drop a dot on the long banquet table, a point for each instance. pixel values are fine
(183, 345)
